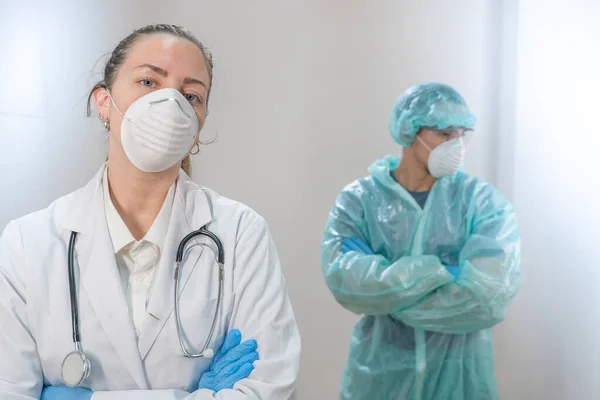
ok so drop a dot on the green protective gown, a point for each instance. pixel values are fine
(424, 335)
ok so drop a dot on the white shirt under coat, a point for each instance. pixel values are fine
(137, 260)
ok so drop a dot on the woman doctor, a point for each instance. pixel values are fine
(128, 222)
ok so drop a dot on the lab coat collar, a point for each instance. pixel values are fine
(74, 214)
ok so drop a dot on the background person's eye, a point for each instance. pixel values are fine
(192, 98)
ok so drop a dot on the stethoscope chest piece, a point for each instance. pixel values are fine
(75, 368)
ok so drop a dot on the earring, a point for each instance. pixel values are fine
(196, 151)
(106, 123)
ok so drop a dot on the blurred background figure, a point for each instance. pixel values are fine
(429, 255)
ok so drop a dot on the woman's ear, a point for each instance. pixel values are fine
(102, 103)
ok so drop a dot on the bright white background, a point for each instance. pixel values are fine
(550, 347)
(300, 103)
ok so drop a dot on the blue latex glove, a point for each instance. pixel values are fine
(454, 270)
(66, 393)
(233, 362)
(357, 245)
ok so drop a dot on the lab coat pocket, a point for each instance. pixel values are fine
(198, 317)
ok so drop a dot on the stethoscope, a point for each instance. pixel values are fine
(76, 365)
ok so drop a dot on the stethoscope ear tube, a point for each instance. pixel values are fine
(73, 289)
(76, 366)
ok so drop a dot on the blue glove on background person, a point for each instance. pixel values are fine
(357, 245)
(454, 270)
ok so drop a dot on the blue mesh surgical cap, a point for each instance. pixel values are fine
(428, 105)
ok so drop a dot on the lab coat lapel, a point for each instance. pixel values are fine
(190, 212)
(100, 280)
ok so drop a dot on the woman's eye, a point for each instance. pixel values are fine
(147, 82)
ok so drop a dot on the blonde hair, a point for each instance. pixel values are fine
(186, 165)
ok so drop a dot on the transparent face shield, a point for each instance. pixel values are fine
(451, 133)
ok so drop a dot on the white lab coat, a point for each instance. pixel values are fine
(35, 320)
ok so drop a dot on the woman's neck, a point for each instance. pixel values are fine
(412, 175)
(138, 196)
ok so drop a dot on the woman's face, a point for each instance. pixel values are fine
(155, 62)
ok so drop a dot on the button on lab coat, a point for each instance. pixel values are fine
(35, 320)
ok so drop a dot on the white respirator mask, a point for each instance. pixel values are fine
(445, 159)
(158, 130)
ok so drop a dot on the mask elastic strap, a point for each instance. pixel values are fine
(423, 143)
(463, 146)
(115, 105)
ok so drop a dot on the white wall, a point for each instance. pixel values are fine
(550, 347)
(22, 141)
(301, 99)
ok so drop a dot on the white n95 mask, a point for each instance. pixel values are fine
(445, 159)
(158, 130)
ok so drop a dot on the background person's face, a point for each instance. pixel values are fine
(433, 138)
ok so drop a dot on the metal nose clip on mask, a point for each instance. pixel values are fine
(158, 130)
